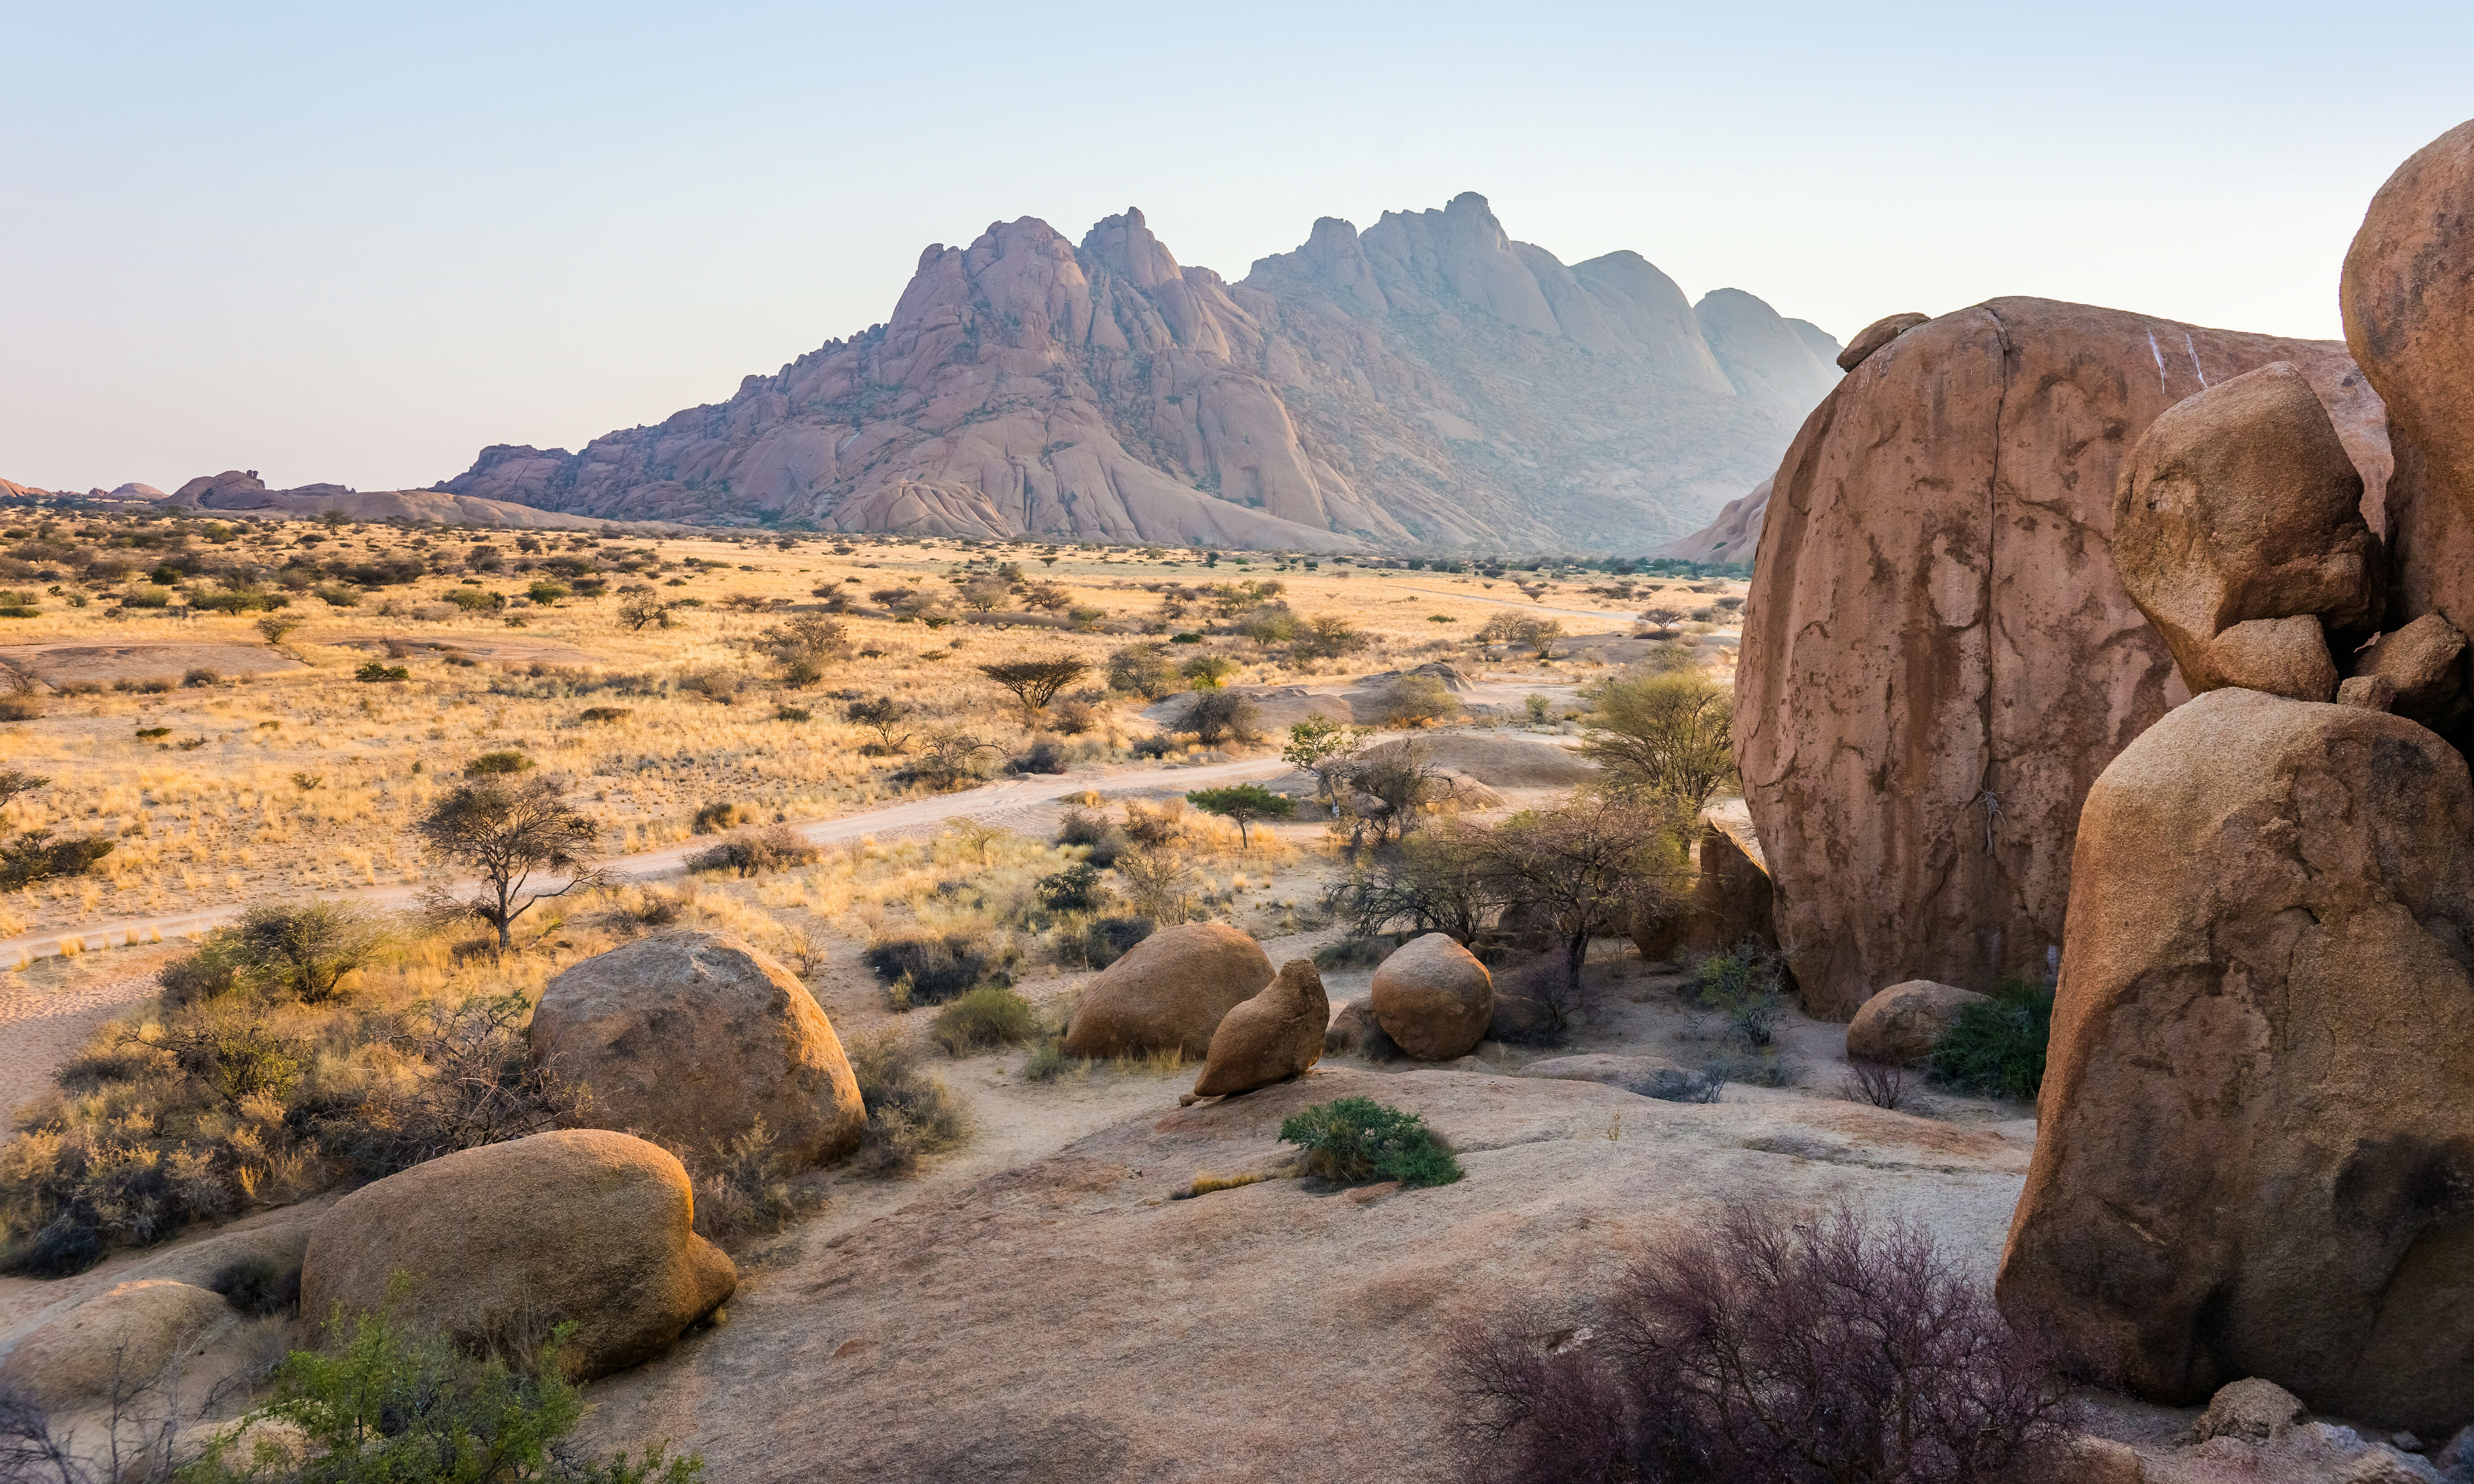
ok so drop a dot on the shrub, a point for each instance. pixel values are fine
(1413, 700)
(1155, 745)
(200, 676)
(1353, 953)
(989, 1015)
(1356, 1138)
(1047, 754)
(382, 1403)
(488, 763)
(938, 966)
(793, 713)
(1674, 1085)
(381, 670)
(259, 1284)
(1880, 1084)
(604, 714)
(1773, 1350)
(909, 1114)
(337, 595)
(719, 815)
(755, 852)
(1095, 832)
(1143, 670)
(1665, 735)
(1998, 1046)
(1075, 889)
(147, 597)
(475, 600)
(36, 856)
(1107, 940)
(1220, 716)
(20, 708)
(305, 950)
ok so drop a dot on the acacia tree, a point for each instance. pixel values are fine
(1589, 865)
(881, 715)
(506, 831)
(1321, 747)
(1244, 802)
(309, 949)
(1036, 682)
(804, 646)
(1668, 736)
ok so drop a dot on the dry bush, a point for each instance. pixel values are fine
(1777, 1349)
(756, 852)
(938, 966)
(910, 1115)
(988, 1016)
(1877, 1082)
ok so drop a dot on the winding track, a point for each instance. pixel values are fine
(1008, 795)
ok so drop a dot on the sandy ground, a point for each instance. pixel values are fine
(46, 1014)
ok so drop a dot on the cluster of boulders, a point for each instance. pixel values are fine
(2000, 563)
(1207, 990)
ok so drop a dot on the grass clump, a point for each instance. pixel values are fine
(752, 852)
(989, 1015)
(910, 1115)
(1356, 1138)
(1996, 1046)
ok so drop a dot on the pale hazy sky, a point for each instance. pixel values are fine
(356, 243)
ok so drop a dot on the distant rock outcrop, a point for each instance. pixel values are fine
(1429, 381)
(1939, 658)
(241, 489)
(1729, 540)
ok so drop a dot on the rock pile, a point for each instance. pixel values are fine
(1170, 990)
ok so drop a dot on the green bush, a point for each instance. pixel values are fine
(1109, 939)
(381, 1405)
(147, 597)
(940, 966)
(509, 761)
(990, 1015)
(1074, 889)
(381, 670)
(1996, 1046)
(1356, 1138)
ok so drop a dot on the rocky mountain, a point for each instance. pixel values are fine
(1732, 538)
(1427, 382)
(241, 489)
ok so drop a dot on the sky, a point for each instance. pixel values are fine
(356, 243)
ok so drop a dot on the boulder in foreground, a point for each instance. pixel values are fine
(1170, 989)
(124, 1337)
(1900, 1025)
(691, 1037)
(1271, 1038)
(1433, 997)
(501, 1242)
(2257, 1125)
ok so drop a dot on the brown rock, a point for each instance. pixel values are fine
(2250, 1409)
(2240, 503)
(1355, 1032)
(1433, 997)
(1271, 1038)
(2422, 661)
(1874, 336)
(691, 1037)
(1645, 1075)
(502, 1242)
(2407, 297)
(1939, 536)
(2283, 656)
(2262, 1055)
(124, 1336)
(1900, 1025)
(1170, 990)
(2370, 692)
(1732, 892)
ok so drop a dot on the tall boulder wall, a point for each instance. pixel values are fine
(1939, 658)
(2408, 296)
(2255, 1152)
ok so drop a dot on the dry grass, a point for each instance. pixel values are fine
(304, 781)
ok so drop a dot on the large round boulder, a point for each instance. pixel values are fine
(2240, 503)
(2255, 1142)
(692, 1038)
(1433, 997)
(501, 1242)
(125, 1336)
(1900, 1025)
(1938, 655)
(1271, 1038)
(1170, 989)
